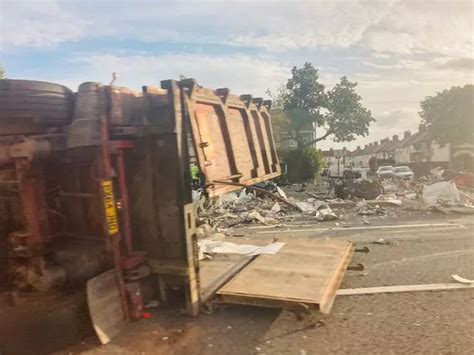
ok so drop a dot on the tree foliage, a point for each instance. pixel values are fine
(304, 98)
(304, 164)
(2, 73)
(346, 118)
(303, 102)
(450, 115)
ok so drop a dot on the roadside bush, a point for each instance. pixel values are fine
(304, 164)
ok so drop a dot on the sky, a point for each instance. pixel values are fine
(398, 51)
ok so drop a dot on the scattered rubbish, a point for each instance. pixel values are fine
(440, 192)
(276, 207)
(265, 220)
(464, 209)
(257, 189)
(281, 193)
(380, 241)
(436, 174)
(244, 197)
(394, 201)
(365, 220)
(204, 231)
(365, 209)
(462, 279)
(230, 197)
(152, 304)
(146, 315)
(305, 207)
(357, 188)
(220, 247)
(324, 213)
(358, 267)
(165, 338)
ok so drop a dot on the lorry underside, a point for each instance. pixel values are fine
(96, 209)
(99, 180)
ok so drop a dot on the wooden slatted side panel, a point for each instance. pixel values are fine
(233, 138)
(305, 271)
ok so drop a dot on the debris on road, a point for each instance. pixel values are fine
(462, 279)
(381, 241)
(447, 198)
(208, 246)
(402, 288)
(324, 213)
(440, 192)
(364, 209)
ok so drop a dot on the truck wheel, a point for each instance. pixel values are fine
(35, 102)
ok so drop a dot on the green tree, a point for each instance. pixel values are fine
(304, 164)
(346, 118)
(303, 102)
(450, 115)
(2, 73)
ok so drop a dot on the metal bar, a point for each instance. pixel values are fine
(107, 173)
(36, 219)
(211, 290)
(77, 194)
(125, 210)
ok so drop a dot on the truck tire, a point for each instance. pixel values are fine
(35, 102)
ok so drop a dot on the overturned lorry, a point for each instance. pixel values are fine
(96, 204)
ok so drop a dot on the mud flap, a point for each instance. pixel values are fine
(105, 309)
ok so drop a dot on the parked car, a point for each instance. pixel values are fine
(385, 172)
(403, 172)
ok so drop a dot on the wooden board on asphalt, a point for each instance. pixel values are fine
(306, 271)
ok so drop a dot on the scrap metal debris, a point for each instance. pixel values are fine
(208, 246)
(365, 209)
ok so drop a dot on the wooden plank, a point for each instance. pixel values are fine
(210, 287)
(403, 288)
(305, 271)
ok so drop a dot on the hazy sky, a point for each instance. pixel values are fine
(398, 51)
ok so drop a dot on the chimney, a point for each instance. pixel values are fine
(406, 134)
(395, 138)
(421, 128)
(366, 146)
(376, 144)
(358, 147)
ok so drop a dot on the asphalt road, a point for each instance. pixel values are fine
(423, 251)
